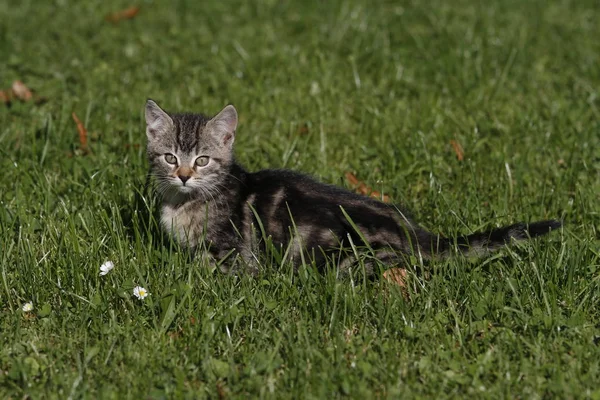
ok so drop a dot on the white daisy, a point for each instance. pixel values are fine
(28, 306)
(140, 292)
(106, 267)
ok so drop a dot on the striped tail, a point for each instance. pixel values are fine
(480, 243)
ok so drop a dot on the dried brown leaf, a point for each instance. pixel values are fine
(362, 188)
(127, 13)
(21, 91)
(82, 132)
(5, 97)
(39, 99)
(175, 334)
(302, 129)
(385, 198)
(351, 178)
(221, 390)
(398, 276)
(460, 154)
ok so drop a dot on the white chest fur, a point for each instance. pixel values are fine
(183, 224)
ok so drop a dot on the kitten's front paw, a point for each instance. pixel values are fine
(236, 264)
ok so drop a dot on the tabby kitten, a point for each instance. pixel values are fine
(212, 205)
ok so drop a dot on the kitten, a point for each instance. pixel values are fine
(211, 204)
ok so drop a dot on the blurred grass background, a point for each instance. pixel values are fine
(379, 89)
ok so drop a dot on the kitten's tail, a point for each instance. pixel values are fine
(481, 243)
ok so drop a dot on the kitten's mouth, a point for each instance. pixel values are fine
(185, 189)
(181, 187)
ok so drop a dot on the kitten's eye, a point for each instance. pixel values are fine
(170, 158)
(202, 161)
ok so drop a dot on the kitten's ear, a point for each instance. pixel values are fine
(223, 125)
(157, 120)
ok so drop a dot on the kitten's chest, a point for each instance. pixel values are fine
(193, 223)
(187, 224)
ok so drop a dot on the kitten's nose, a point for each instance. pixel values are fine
(184, 178)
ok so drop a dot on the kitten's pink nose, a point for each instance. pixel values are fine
(184, 178)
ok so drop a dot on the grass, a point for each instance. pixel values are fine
(322, 87)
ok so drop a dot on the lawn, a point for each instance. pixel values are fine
(471, 114)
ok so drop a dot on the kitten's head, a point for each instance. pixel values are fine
(190, 153)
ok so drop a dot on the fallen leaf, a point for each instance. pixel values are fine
(349, 333)
(385, 198)
(175, 334)
(398, 276)
(82, 132)
(30, 316)
(302, 129)
(21, 91)
(40, 99)
(351, 178)
(221, 390)
(5, 97)
(127, 13)
(460, 154)
(362, 188)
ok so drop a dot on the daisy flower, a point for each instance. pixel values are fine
(106, 267)
(27, 307)
(140, 292)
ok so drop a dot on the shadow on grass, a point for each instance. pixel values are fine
(141, 217)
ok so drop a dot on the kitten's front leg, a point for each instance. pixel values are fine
(205, 256)
(235, 262)
(224, 261)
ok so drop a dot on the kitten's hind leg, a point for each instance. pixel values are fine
(380, 259)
